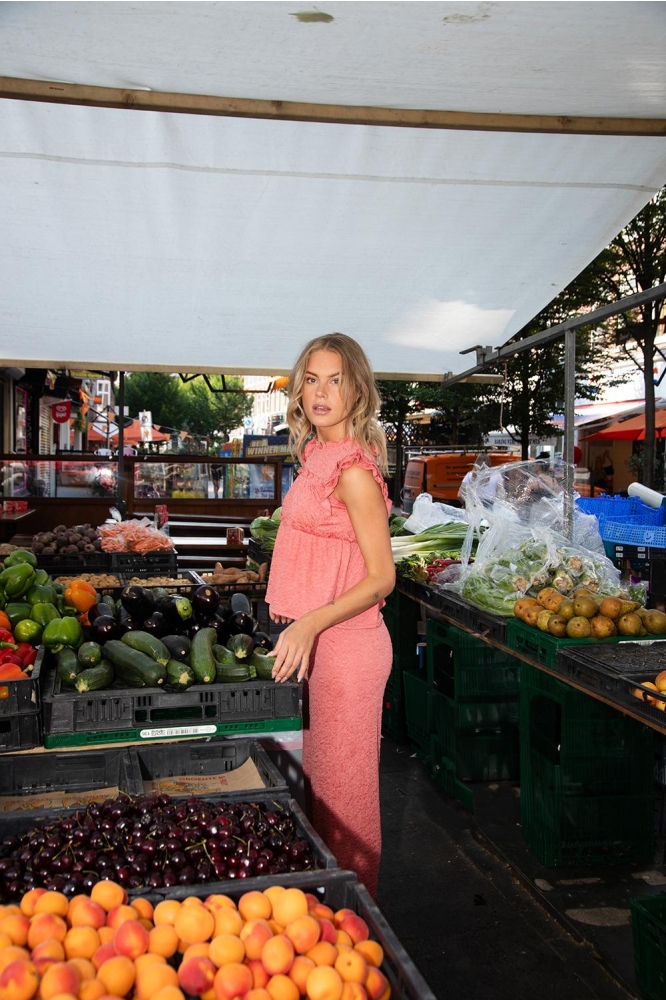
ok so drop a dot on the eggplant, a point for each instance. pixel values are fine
(241, 623)
(262, 641)
(103, 628)
(238, 603)
(222, 628)
(139, 602)
(156, 624)
(101, 609)
(205, 602)
(128, 625)
(175, 608)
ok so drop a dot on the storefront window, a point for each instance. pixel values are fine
(20, 419)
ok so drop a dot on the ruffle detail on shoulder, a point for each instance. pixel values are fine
(340, 459)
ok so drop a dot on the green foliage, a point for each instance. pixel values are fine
(215, 414)
(158, 392)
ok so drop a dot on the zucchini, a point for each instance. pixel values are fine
(160, 593)
(241, 646)
(133, 667)
(148, 644)
(202, 660)
(89, 654)
(179, 675)
(179, 646)
(263, 665)
(68, 667)
(95, 678)
(222, 654)
(226, 673)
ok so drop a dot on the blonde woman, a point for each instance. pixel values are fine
(331, 570)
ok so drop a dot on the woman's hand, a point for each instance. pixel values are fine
(292, 650)
(279, 619)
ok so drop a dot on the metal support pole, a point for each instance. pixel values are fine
(121, 441)
(569, 416)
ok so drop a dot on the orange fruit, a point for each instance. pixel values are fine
(165, 912)
(108, 894)
(324, 983)
(255, 905)
(163, 940)
(289, 905)
(194, 924)
(117, 974)
(52, 902)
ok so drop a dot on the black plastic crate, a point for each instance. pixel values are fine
(191, 581)
(339, 890)
(216, 756)
(117, 711)
(21, 732)
(67, 772)
(98, 562)
(23, 696)
(162, 563)
(257, 554)
(474, 619)
(648, 924)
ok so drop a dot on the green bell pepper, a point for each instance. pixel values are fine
(42, 577)
(17, 611)
(62, 632)
(43, 613)
(41, 594)
(3, 599)
(21, 556)
(16, 580)
(28, 631)
(58, 587)
(64, 608)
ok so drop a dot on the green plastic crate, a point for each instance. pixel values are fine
(401, 616)
(394, 724)
(487, 751)
(417, 708)
(564, 724)
(443, 773)
(544, 648)
(648, 925)
(564, 831)
(587, 777)
(87, 739)
(463, 667)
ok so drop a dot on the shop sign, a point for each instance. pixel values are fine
(61, 412)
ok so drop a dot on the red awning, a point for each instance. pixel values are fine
(132, 434)
(632, 429)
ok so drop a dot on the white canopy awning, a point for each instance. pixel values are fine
(194, 243)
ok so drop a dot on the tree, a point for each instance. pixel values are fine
(635, 261)
(215, 414)
(158, 392)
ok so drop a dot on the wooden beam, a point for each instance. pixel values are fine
(201, 104)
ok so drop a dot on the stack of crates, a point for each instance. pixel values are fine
(587, 794)
(401, 615)
(469, 710)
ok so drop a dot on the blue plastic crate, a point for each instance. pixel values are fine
(612, 508)
(629, 533)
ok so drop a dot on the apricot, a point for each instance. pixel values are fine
(86, 969)
(351, 965)
(303, 932)
(144, 908)
(163, 940)
(255, 906)
(103, 954)
(28, 901)
(372, 951)
(277, 955)
(254, 935)
(194, 923)
(273, 891)
(259, 975)
(169, 993)
(18, 981)
(131, 939)
(300, 970)
(108, 894)
(52, 901)
(117, 974)
(81, 942)
(119, 914)
(343, 940)
(5, 941)
(232, 980)
(352, 924)
(16, 928)
(353, 991)
(153, 978)
(327, 929)
(281, 987)
(13, 954)
(320, 910)
(324, 983)
(49, 949)
(227, 921)
(376, 984)
(217, 900)
(200, 948)
(165, 912)
(86, 913)
(105, 934)
(323, 953)
(196, 975)
(44, 926)
(91, 989)
(143, 961)
(257, 994)
(288, 905)
(61, 977)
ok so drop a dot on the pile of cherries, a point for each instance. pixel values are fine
(154, 842)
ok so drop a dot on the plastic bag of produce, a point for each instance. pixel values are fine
(427, 513)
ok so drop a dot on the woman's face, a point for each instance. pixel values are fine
(323, 402)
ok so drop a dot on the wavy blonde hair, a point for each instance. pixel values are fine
(359, 392)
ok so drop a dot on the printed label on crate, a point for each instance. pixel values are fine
(55, 800)
(157, 734)
(242, 778)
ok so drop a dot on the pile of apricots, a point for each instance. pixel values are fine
(279, 944)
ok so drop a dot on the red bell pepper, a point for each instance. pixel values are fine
(10, 656)
(6, 635)
(27, 652)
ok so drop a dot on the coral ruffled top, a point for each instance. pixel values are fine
(316, 556)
